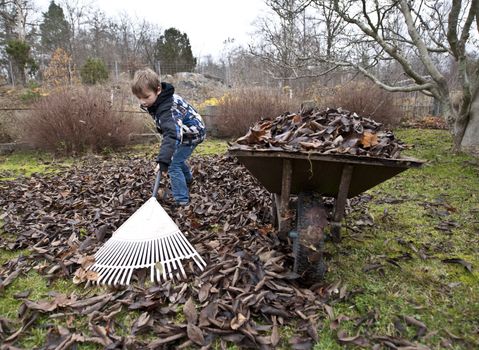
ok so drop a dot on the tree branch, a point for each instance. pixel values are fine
(419, 43)
(409, 88)
(392, 51)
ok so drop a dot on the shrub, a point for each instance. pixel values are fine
(93, 71)
(75, 121)
(240, 109)
(367, 100)
(61, 70)
(31, 93)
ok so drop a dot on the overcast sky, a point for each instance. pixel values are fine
(208, 23)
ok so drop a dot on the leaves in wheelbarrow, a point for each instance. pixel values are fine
(329, 131)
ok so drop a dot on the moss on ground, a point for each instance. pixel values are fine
(26, 163)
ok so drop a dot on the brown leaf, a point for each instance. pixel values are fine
(82, 275)
(238, 321)
(467, 265)
(312, 330)
(354, 340)
(195, 334)
(11, 277)
(369, 139)
(275, 336)
(86, 261)
(189, 309)
(204, 292)
(42, 305)
(141, 322)
(209, 312)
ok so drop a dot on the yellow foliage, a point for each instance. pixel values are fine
(61, 70)
(213, 101)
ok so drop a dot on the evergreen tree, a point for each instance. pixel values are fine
(19, 52)
(173, 50)
(93, 71)
(55, 30)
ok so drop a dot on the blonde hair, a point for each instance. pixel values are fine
(145, 79)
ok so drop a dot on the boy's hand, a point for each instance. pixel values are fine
(163, 167)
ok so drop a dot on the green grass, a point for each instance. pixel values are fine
(443, 296)
(206, 148)
(33, 282)
(27, 163)
(211, 147)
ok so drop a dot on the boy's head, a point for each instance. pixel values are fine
(146, 86)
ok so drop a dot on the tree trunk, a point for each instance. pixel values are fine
(470, 141)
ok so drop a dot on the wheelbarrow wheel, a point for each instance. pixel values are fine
(308, 244)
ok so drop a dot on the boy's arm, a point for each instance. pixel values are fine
(171, 138)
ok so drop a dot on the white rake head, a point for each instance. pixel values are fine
(148, 239)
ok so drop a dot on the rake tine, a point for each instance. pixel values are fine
(151, 262)
(176, 258)
(99, 271)
(157, 258)
(114, 267)
(188, 245)
(129, 275)
(107, 252)
(125, 261)
(162, 259)
(168, 259)
(172, 256)
(147, 254)
(179, 246)
(199, 261)
(107, 265)
(178, 254)
(142, 261)
(114, 257)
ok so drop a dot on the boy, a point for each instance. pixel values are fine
(181, 126)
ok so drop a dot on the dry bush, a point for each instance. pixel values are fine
(11, 125)
(241, 108)
(73, 121)
(367, 100)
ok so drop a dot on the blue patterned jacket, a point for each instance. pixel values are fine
(177, 121)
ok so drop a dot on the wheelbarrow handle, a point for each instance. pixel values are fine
(157, 184)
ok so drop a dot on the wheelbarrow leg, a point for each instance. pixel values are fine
(341, 202)
(282, 201)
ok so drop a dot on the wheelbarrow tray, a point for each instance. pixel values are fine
(321, 173)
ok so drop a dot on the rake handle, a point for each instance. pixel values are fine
(157, 184)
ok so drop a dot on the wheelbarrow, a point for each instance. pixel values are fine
(311, 177)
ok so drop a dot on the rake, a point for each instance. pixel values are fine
(148, 239)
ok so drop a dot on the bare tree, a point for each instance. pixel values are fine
(292, 40)
(419, 35)
(287, 40)
(76, 13)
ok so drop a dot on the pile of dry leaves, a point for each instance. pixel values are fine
(245, 296)
(329, 131)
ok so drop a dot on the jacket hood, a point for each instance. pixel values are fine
(167, 91)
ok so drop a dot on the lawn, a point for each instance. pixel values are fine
(406, 267)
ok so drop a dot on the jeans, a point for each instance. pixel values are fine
(180, 174)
